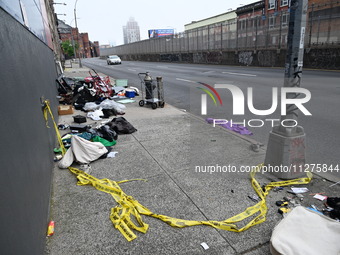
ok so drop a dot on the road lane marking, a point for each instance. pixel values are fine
(243, 74)
(179, 79)
(133, 70)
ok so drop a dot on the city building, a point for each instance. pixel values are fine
(249, 24)
(228, 17)
(131, 31)
(87, 49)
(323, 20)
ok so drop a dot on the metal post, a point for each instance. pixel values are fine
(329, 24)
(221, 36)
(237, 28)
(286, 145)
(280, 31)
(310, 20)
(256, 20)
(75, 20)
(196, 39)
(318, 33)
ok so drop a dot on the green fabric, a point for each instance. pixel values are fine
(103, 141)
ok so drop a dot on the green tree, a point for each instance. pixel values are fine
(68, 48)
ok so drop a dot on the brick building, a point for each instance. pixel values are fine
(249, 20)
(323, 21)
(71, 34)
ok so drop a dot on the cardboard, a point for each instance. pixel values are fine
(65, 109)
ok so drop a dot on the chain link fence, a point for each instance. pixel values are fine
(254, 33)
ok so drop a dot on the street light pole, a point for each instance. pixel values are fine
(286, 144)
(75, 20)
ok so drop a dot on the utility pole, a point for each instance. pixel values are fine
(286, 145)
(75, 20)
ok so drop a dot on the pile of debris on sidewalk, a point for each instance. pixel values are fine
(95, 96)
(93, 88)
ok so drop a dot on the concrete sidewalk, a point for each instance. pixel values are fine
(167, 150)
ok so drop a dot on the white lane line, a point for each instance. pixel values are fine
(179, 79)
(162, 66)
(209, 72)
(133, 70)
(243, 74)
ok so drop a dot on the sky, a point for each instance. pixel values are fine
(103, 20)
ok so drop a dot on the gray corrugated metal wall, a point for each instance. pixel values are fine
(27, 72)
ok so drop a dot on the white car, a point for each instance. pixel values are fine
(113, 60)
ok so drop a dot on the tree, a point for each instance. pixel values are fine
(68, 48)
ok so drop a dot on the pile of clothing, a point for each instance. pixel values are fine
(95, 143)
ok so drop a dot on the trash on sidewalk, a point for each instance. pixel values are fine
(65, 109)
(303, 231)
(78, 128)
(126, 101)
(83, 151)
(277, 189)
(103, 141)
(91, 89)
(334, 203)
(254, 198)
(50, 228)
(79, 119)
(102, 85)
(112, 154)
(299, 190)
(234, 127)
(130, 93)
(121, 126)
(320, 197)
(58, 157)
(111, 104)
(205, 246)
(95, 115)
(63, 126)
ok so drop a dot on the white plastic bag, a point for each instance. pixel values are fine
(110, 104)
(95, 115)
(90, 106)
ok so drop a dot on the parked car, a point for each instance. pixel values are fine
(113, 60)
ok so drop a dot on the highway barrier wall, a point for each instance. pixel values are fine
(317, 58)
(252, 40)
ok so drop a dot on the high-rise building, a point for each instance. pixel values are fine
(131, 31)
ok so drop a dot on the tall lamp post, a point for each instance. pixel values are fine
(75, 20)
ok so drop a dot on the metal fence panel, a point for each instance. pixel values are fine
(259, 32)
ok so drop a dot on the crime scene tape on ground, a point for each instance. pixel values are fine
(128, 212)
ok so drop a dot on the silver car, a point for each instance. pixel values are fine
(113, 60)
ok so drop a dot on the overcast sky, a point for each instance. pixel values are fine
(104, 19)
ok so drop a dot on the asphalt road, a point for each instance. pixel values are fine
(180, 89)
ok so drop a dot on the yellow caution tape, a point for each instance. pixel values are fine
(128, 211)
(46, 111)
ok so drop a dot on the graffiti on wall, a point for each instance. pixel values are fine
(214, 57)
(198, 57)
(266, 58)
(245, 58)
(324, 58)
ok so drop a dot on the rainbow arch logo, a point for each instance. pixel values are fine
(211, 94)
